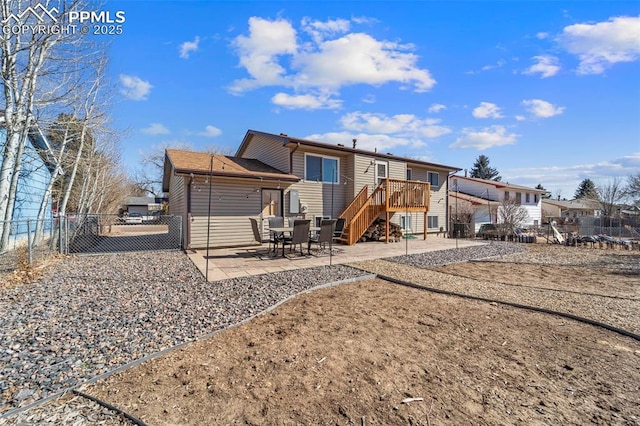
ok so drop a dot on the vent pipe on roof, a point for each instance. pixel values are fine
(465, 172)
(355, 141)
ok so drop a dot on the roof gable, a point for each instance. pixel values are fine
(499, 185)
(337, 149)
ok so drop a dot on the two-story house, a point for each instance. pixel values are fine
(486, 197)
(277, 175)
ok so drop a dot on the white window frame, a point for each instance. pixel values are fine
(319, 218)
(527, 198)
(430, 178)
(386, 169)
(403, 223)
(409, 174)
(429, 220)
(321, 156)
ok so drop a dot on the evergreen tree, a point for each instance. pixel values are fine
(586, 189)
(481, 170)
(546, 194)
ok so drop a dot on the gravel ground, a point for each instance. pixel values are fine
(93, 314)
(444, 257)
(97, 313)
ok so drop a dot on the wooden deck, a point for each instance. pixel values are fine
(391, 196)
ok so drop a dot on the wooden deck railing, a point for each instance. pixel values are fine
(355, 205)
(392, 195)
(407, 195)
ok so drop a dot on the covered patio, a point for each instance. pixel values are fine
(244, 261)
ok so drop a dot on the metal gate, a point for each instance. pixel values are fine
(102, 233)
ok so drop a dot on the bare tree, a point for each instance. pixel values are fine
(632, 189)
(149, 176)
(610, 194)
(33, 79)
(511, 215)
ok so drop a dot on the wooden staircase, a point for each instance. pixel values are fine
(392, 195)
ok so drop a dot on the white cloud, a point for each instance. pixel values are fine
(435, 108)
(135, 88)
(370, 142)
(542, 109)
(600, 45)
(259, 53)
(405, 125)
(566, 178)
(274, 54)
(155, 129)
(319, 30)
(486, 138)
(487, 110)
(520, 117)
(546, 66)
(542, 35)
(210, 132)
(501, 63)
(369, 99)
(189, 46)
(310, 102)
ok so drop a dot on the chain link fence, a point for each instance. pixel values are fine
(103, 233)
(29, 241)
(32, 240)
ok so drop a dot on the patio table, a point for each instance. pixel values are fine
(282, 229)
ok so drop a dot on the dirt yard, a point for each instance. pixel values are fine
(358, 353)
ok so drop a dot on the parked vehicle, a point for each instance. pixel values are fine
(133, 218)
(488, 231)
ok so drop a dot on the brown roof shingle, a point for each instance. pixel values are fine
(200, 163)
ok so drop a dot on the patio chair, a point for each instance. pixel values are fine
(276, 222)
(293, 219)
(327, 229)
(300, 235)
(257, 235)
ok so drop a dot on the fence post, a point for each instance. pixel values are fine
(29, 255)
(59, 234)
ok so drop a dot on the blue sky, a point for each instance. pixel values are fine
(549, 91)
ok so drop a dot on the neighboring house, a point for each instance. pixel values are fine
(276, 175)
(143, 205)
(569, 209)
(486, 196)
(38, 168)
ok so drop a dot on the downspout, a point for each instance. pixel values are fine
(291, 157)
(446, 203)
(188, 230)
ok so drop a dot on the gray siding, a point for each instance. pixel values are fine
(317, 195)
(233, 202)
(268, 150)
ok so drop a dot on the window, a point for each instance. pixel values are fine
(506, 195)
(536, 198)
(409, 174)
(433, 178)
(405, 223)
(319, 219)
(432, 221)
(321, 169)
(527, 198)
(381, 171)
(518, 198)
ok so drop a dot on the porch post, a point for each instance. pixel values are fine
(386, 227)
(425, 224)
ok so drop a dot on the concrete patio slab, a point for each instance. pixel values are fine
(245, 261)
